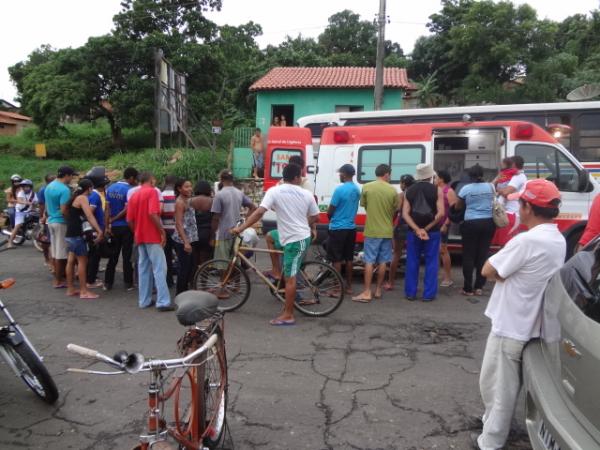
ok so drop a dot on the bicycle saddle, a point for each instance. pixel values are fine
(195, 306)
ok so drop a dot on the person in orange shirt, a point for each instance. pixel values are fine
(592, 229)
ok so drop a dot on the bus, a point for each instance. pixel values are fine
(576, 125)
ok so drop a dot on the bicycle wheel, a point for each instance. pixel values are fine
(320, 289)
(32, 371)
(35, 236)
(229, 282)
(213, 392)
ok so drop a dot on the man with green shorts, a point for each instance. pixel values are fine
(296, 213)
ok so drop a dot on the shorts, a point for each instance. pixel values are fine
(377, 250)
(293, 255)
(20, 218)
(275, 236)
(340, 245)
(58, 244)
(223, 249)
(77, 245)
(400, 232)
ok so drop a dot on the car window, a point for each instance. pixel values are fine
(545, 161)
(279, 159)
(402, 160)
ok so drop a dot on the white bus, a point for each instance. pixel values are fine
(575, 124)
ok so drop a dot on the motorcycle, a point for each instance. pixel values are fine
(20, 354)
(31, 230)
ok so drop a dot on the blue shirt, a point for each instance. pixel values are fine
(40, 195)
(478, 199)
(116, 196)
(96, 205)
(345, 199)
(56, 194)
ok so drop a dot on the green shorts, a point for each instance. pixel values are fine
(293, 255)
(275, 236)
(223, 249)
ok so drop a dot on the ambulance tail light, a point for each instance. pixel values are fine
(341, 137)
(524, 131)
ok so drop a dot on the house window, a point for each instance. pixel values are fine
(279, 112)
(279, 159)
(403, 159)
(349, 108)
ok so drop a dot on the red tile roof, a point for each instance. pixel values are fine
(329, 77)
(15, 116)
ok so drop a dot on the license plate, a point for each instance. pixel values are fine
(546, 437)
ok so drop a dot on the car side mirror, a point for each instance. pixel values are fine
(584, 181)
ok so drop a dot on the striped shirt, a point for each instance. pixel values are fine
(168, 210)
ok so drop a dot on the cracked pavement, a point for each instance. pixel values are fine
(387, 375)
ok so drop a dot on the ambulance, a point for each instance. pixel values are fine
(450, 146)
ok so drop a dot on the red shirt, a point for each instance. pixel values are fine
(139, 208)
(592, 228)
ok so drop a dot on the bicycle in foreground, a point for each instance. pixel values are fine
(320, 288)
(22, 357)
(198, 379)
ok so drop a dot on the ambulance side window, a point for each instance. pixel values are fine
(545, 161)
(403, 159)
(279, 159)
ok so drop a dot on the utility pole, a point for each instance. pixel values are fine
(378, 93)
(158, 56)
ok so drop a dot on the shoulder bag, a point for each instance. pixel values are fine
(498, 211)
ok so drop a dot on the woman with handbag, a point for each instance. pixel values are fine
(477, 230)
(80, 218)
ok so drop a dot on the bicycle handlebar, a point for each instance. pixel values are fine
(185, 361)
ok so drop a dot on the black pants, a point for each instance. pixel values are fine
(169, 248)
(185, 267)
(93, 263)
(476, 239)
(123, 242)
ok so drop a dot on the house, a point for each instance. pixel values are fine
(5, 105)
(294, 92)
(12, 123)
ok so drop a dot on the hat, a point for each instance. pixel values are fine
(98, 176)
(542, 193)
(26, 183)
(424, 172)
(66, 170)
(16, 177)
(347, 169)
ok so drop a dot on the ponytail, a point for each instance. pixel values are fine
(83, 186)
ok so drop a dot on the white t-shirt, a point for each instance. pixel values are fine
(527, 262)
(293, 205)
(518, 182)
(26, 197)
(134, 189)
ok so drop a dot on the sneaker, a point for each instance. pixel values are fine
(169, 307)
(107, 287)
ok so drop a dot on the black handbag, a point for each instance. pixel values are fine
(456, 215)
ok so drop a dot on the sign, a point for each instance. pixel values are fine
(216, 130)
(40, 150)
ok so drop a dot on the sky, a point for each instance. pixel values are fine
(28, 24)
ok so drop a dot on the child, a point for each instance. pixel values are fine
(25, 199)
(507, 171)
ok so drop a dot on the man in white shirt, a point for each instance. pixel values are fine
(296, 213)
(511, 202)
(521, 270)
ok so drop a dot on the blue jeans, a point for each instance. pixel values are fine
(152, 261)
(430, 249)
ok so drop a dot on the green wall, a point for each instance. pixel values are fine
(319, 101)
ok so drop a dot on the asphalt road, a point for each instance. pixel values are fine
(388, 375)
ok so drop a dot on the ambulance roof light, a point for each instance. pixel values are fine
(524, 131)
(341, 137)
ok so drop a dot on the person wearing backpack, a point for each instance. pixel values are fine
(423, 210)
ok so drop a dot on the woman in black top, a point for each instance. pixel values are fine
(203, 251)
(78, 211)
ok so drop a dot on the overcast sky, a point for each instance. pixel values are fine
(27, 24)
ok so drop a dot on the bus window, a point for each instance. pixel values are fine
(545, 161)
(588, 126)
(402, 160)
(279, 159)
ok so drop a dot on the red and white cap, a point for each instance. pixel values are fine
(542, 193)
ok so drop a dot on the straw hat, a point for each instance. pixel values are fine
(424, 172)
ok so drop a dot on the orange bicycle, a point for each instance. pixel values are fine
(198, 385)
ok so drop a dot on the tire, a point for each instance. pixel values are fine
(35, 234)
(229, 282)
(319, 283)
(32, 371)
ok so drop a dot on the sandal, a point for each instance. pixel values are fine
(467, 294)
(478, 291)
(89, 296)
(447, 283)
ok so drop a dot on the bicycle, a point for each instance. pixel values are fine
(20, 354)
(320, 288)
(199, 379)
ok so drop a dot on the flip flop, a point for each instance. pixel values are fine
(73, 294)
(282, 323)
(466, 294)
(362, 299)
(60, 286)
(388, 287)
(89, 296)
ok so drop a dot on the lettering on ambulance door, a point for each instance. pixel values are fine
(279, 159)
(402, 159)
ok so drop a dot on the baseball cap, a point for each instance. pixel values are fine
(542, 193)
(347, 169)
(66, 170)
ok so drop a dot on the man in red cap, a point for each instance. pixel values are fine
(521, 270)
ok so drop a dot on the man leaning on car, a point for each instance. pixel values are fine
(521, 270)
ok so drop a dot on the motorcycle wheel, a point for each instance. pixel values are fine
(35, 234)
(32, 371)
